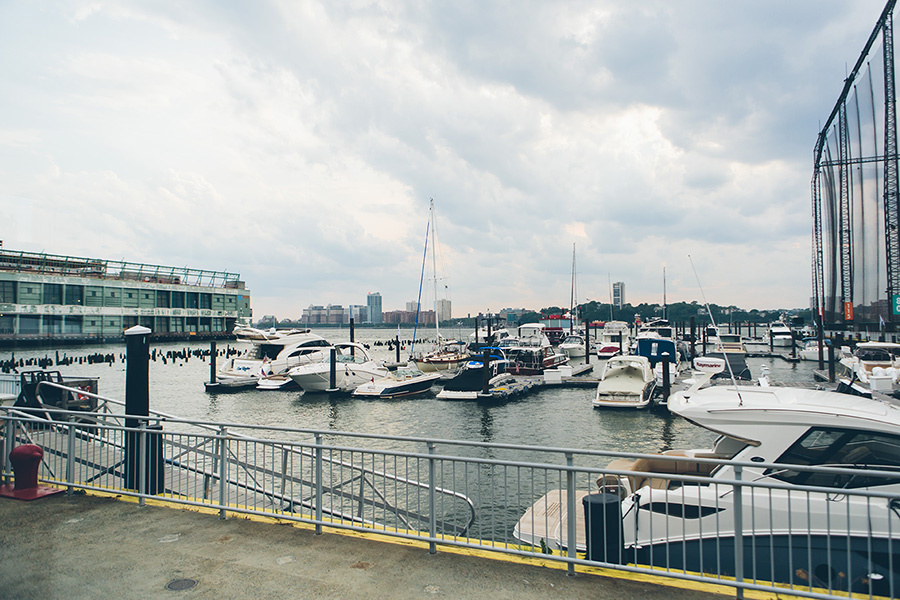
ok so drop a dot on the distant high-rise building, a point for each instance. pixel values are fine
(618, 294)
(373, 301)
(359, 313)
(443, 310)
(412, 307)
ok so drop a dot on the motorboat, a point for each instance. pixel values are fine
(612, 339)
(573, 345)
(730, 347)
(247, 333)
(627, 382)
(272, 356)
(809, 349)
(533, 354)
(779, 335)
(451, 355)
(469, 382)
(799, 527)
(876, 364)
(657, 328)
(276, 382)
(400, 381)
(659, 351)
(353, 366)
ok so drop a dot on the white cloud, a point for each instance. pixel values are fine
(298, 143)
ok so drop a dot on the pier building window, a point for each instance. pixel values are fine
(8, 292)
(191, 299)
(52, 323)
(206, 301)
(74, 295)
(72, 324)
(53, 293)
(7, 324)
(177, 299)
(162, 299)
(29, 324)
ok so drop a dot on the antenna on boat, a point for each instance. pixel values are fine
(713, 321)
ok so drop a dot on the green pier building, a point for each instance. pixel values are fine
(47, 299)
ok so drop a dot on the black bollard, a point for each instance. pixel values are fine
(137, 407)
(831, 363)
(693, 337)
(212, 361)
(486, 371)
(352, 338)
(666, 383)
(587, 342)
(332, 371)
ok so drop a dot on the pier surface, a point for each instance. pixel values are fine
(86, 546)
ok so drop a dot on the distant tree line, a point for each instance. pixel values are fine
(678, 312)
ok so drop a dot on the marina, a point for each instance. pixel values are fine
(445, 472)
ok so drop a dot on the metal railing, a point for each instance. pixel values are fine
(704, 519)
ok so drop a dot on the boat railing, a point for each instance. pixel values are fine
(697, 517)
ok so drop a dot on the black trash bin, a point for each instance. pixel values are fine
(603, 528)
(154, 482)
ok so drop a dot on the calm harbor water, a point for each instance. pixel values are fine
(552, 416)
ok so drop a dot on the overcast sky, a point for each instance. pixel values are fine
(299, 142)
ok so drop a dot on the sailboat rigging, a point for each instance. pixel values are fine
(449, 354)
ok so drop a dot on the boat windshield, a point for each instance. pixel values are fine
(828, 446)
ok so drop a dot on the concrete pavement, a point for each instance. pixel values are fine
(87, 546)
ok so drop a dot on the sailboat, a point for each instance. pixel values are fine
(450, 355)
(574, 344)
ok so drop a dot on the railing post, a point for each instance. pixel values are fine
(318, 484)
(70, 460)
(10, 443)
(432, 518)
(142, 463)
(571, 535)
(738, 530)
(223, 471)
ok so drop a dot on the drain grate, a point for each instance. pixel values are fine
(177, 585)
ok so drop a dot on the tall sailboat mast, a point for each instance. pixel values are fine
(572, 296)
(437, 320)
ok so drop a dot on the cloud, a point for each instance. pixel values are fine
(299, 143)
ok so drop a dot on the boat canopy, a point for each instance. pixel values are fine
(654, 348)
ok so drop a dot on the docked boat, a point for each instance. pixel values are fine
(779, 335)
(353, 366)
(809, 349)
(470, 380)
(276, 382)
(533, 354)
(807, 531)
(451, 355)
(401, 381)
(658, 351)
(627, 381)
(272, 356)
(613, 339)
(573, 345)
(875, 364)
(730, 347)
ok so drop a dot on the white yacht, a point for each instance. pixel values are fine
(613, 339)
(779, 335)
(573, 345)
(352, 367)
(875, 364)
(271, 356)
(401, 381)
(807, 530)
(627, 382)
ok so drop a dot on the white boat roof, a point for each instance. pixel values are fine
(753, 412)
